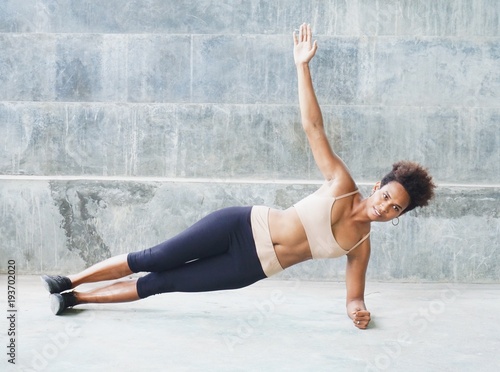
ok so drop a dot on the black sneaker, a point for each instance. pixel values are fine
(56, 284)
(60, 302)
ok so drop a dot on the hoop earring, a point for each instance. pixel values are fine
(397, 223)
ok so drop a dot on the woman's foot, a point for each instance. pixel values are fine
(60, 302)
(56, 284)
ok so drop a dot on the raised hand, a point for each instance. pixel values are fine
(304, 49)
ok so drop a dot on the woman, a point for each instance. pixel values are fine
(237, 246)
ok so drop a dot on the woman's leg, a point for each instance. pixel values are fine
(117, 292)
(112, 268)
(199, 259)
(206, 238)
(236, 265)
(196, 242)
(236, 269)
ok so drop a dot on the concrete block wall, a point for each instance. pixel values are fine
(123, 122)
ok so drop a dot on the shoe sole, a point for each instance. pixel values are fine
(56, 303)
(46, 284)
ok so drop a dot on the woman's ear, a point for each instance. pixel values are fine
(376, 187)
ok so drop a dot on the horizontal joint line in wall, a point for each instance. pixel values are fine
(282, 104)
(206, 180)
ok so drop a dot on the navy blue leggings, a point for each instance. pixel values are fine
(218, 252)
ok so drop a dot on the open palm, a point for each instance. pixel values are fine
(303, 49)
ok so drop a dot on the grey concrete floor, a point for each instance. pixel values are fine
(271, 326)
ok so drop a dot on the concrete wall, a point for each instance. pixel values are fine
(123, 122)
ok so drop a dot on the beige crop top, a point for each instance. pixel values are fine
(315, 214)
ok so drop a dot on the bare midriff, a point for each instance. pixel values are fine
(288, 237)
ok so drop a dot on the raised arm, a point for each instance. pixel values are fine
(330, 165)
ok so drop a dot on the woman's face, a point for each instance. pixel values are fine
(388, 202)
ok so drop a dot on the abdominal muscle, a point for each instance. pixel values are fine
(288, 237)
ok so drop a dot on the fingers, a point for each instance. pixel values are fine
(305, 33)
(304, 48)
(315, 46)
(361, 319)
(361, 324)
(308, 33)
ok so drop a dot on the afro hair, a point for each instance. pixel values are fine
(415, 179)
